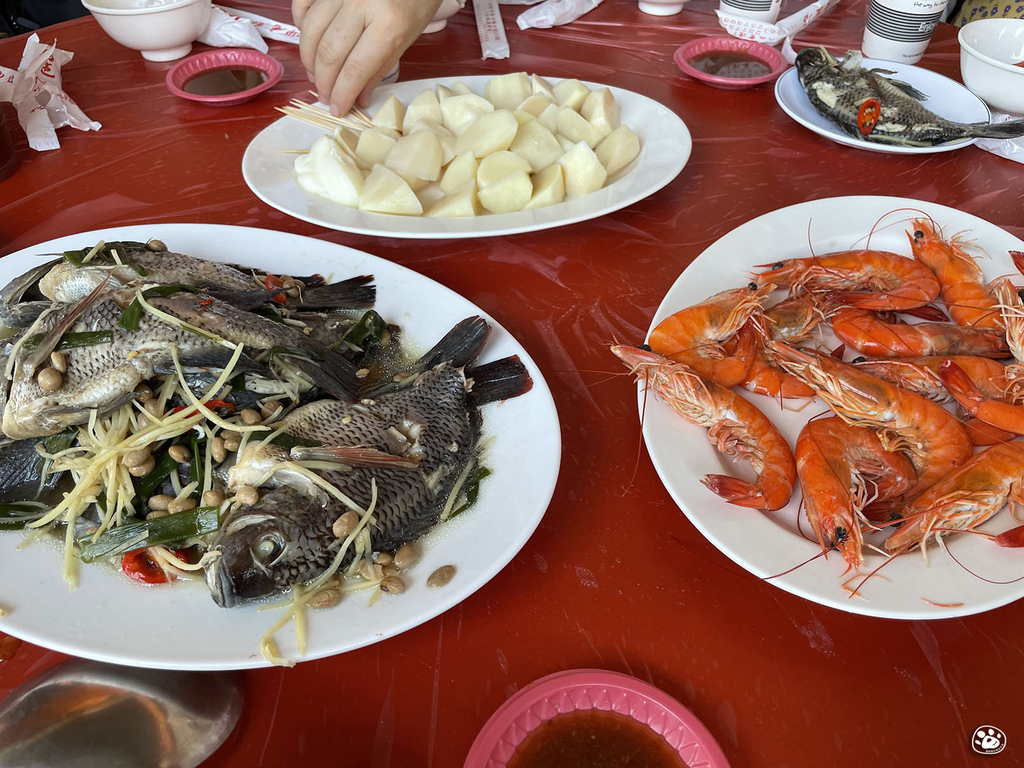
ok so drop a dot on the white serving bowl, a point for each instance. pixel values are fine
(163, 30)
(989, 48)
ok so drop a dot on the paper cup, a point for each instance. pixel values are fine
(900, 30)
(759, 10)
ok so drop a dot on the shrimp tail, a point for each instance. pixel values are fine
(736, 491)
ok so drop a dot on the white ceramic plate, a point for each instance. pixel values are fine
(946, 98)
(110, 618)
(769, 544)
(665, 146)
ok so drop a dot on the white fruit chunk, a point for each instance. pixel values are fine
(508, 195)
(571, 93)
(497, 165)
(374, 146)
(384, 191)
(460, 112)
(537, 145)
(444, 137)
(564, 142)
(326, 172)
(548, 188)
(490, 133)
(461, 202)
(390, 115)
(348, 137)
(417, 155)
(576, 128)
(460, 170)
(461, 89)
(619, 149)
(601, 111)
(549, 117)
(539, 85)
(443, 92)
(583, 171)
(535, 104)
(508, 91)
(424, 107)
(429, 194)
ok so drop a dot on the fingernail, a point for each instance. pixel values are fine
(334, 110)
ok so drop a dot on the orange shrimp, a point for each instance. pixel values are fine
(933, 439)
(694, 336)
(963, 500)
(1011, 308)
(996, 411)
(867, 279)
(921, 376)
(735, 426)
(842, 468)
(869, 335)
(962, 283)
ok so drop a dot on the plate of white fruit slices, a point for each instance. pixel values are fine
(662, 143)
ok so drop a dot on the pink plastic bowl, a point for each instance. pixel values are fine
(223, 58)
(772, 59)
(593, 689)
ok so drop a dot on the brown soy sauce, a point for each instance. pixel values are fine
(223, 81)
(730, 64)
(591, 738)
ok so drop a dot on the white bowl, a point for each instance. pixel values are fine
(989, 48)
(662, 7)
(445, 11)
(162, 29)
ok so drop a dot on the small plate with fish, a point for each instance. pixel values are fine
(161, 344)
(845, 91)
(779, 546)
(269, 168)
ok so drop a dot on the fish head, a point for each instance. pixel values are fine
(813, 64)
(267, 547)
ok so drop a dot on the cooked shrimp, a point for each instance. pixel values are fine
(694, 336)
(932, 438)
(964, 499)
(963, 286)
(867, 279)
(794, 319)
(996, 411)
(735, 426)
(869, 335)
(842, 468)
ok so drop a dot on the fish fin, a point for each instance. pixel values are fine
(213, 359)
(910, 90)
(499, 380)
(355, 456)
(460, 346)
(354, 293)
(244, 300)
(101, 410)
(336, 375)
(1009, 130)
(53, 336)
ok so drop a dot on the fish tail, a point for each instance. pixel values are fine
(354, 293)
(460, 346)
(498, 380)
(335, 375)
(1010, 130)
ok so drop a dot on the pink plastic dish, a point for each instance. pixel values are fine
(593, 689)
(223, 58)
(771, 58)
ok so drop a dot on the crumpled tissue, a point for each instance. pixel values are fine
(37, 91)
(781, 31)
(1012, 149)
(230, 27)
(551, 13)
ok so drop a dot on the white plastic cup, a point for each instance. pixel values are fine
(900, 30)
(758, 10)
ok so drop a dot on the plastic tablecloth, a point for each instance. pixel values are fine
(615, 577)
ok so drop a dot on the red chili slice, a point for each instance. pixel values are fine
(212, 404)
(867, 116)
(273, 282)
(141, 566)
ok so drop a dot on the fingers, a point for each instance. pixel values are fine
(299, 8)
(369, 61)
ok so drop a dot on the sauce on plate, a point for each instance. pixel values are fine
(730, 64)
(224, 80)
(591, 738)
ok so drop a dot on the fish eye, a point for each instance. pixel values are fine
(268, 545)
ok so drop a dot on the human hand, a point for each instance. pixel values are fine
(347, 46)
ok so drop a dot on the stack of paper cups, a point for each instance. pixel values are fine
(899, 30)
(759, 10)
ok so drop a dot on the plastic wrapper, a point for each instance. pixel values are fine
(273, 30)
(551, 13)
(36, 89)
(227, 30)
(781, 31)
(491, 29)
(1012, 149)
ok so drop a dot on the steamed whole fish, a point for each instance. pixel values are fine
(415, 444)
(868, 105)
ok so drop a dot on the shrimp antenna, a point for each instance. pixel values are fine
(942, 544)
(823, 553)
(870, 575)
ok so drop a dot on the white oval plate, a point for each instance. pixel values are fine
(767, 544)
(111, 618)
(665, 146)
(946, 98)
